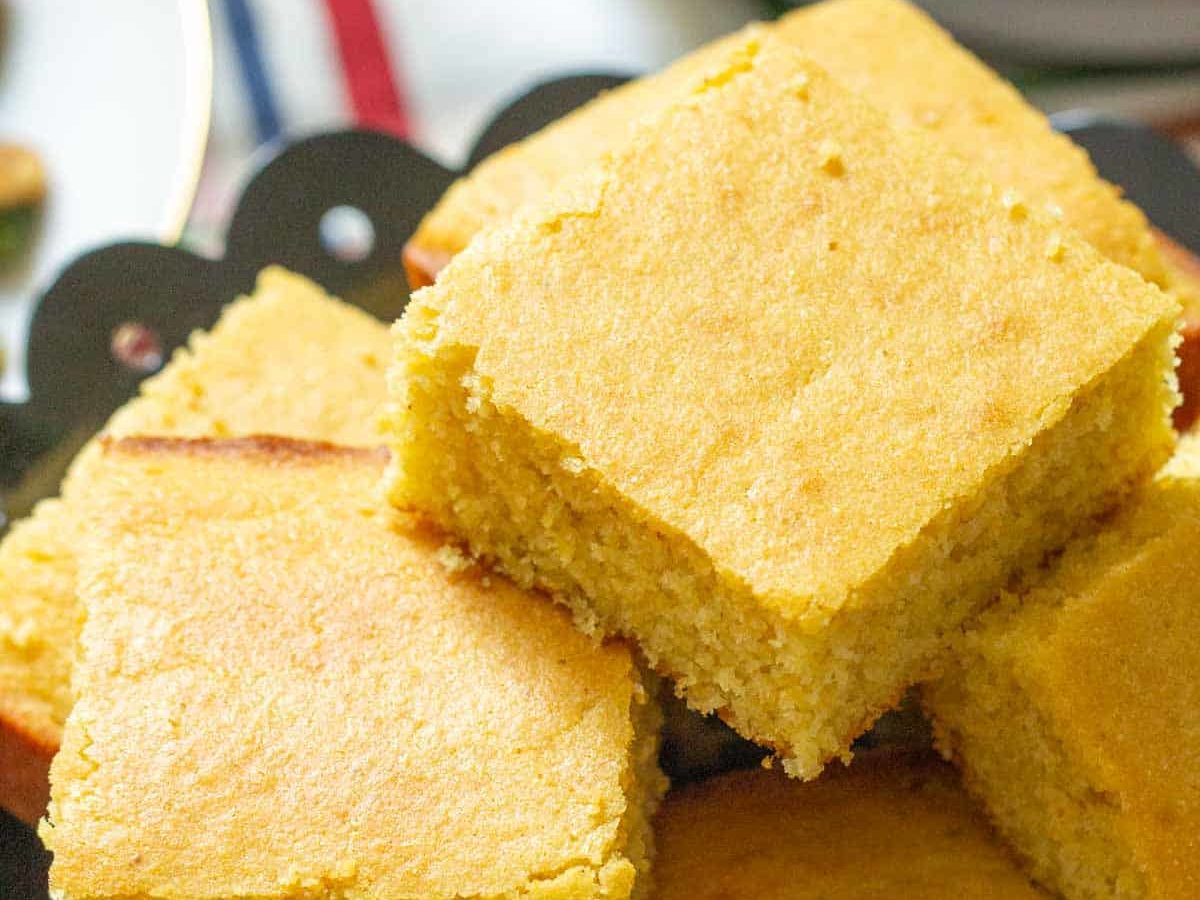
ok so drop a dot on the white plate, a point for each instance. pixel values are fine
(115, 98)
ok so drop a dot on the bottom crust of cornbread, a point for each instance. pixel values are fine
(287, 690)
(24, 771)
(890, 826)
(524, 502)
(39, 622)
(1072, 708)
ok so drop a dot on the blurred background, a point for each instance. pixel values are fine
(435, 70)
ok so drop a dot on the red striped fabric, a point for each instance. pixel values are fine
(376, 95)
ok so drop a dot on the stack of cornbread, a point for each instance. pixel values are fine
(810, 372)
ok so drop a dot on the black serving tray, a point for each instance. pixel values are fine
(76, 381)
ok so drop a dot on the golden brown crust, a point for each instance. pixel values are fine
(259, 445)
(1186, 266)
(24, 771)
(422, 264)
(266, 651)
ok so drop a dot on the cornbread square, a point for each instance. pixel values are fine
(288, 360)
(897, 58)
(892, 825)
(781, 392)
(1073, 708)
(284, 690)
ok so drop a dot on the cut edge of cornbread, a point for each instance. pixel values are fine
(979, 695)
(1067, 806)
(488, 476)
(25, 759)
(645, 785)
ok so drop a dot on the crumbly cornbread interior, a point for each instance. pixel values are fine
(711, 477)
(394, 723)
(891, 825)
(891, 53)
(1072, 708)
(287, 360)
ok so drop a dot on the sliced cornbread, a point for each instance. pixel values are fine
(287, 360)
(659, 395)
(284, 690)
(890, 826)
(1074, 709)
(889, 51)
(900, 60)
(527, 170)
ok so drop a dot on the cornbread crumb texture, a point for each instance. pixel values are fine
(726, 451)
(38, 625)
(1075, 711)
(888, 826)
(288, 360)
(895, 57)
(283, 692)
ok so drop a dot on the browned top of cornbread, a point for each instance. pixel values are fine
(36, 649)
(1109, 652)
(900, 60)
(284, 691)
(718, 320)
(887, 50)
(889, 826)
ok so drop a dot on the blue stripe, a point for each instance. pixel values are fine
(254, 72)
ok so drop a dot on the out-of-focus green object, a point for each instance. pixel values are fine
(22, 189)
(15, 228)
